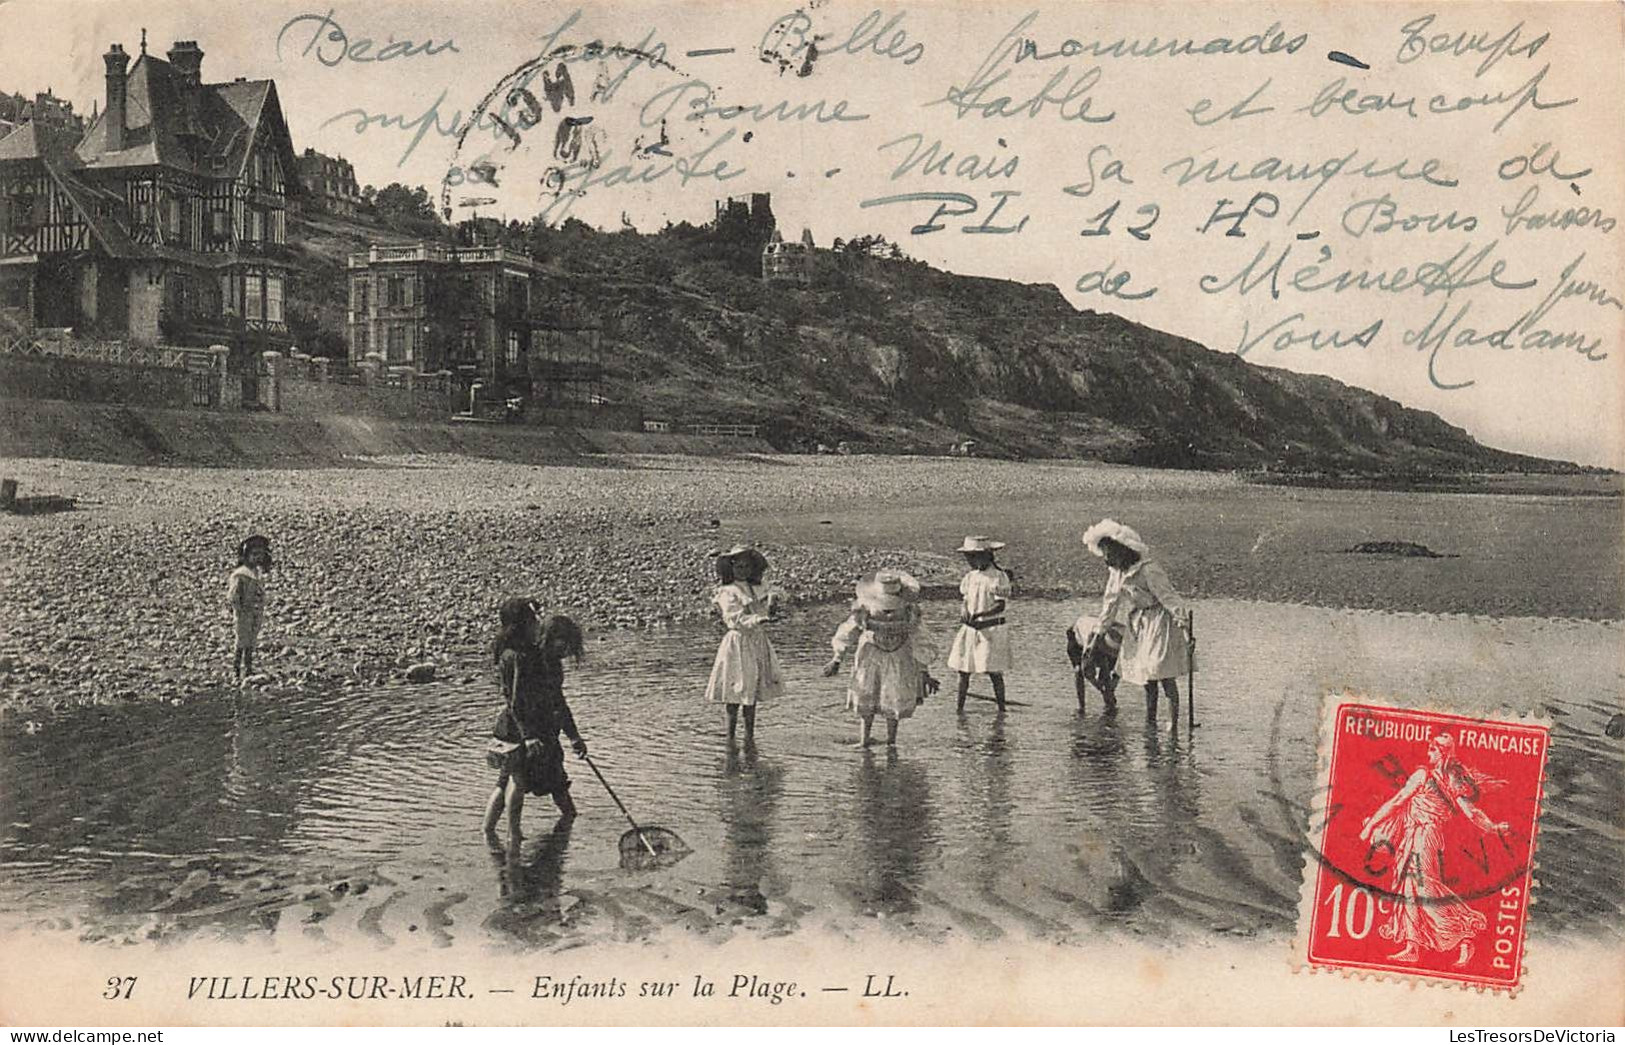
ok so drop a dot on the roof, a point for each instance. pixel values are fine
(207, 130)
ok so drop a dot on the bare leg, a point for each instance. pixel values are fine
(1170, 689)
(733, 720)
(998, 688)
(750, 723)
(237, 662)
(516, 807)
(1151, 701)
(248, 662)
(566, 804)
(1080, 684)
(891, 731)
(493, 809)
(964, 688)
(868, 727)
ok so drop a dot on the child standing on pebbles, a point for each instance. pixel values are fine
(746, 672)
(983, 643)
(245, 594)
(890, 673)
(530, 665)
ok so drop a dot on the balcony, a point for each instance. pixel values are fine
(434, 252)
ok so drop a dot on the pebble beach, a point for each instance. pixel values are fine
(388, 565)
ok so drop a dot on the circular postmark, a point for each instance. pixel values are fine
(1386, 822)
(584, 115)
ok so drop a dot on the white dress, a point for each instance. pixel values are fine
(888, 669)
(746, 670)
(1154, 645)
(982, 650)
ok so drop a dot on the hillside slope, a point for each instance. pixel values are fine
(899, 356)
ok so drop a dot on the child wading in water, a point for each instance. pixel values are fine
(530, 664)
(1156, 643)
(746, 672)
(889, 669)
(983, 643)
(245, 594)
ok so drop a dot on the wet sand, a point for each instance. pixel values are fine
(350, 818)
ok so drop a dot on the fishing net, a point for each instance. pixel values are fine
(667, 848)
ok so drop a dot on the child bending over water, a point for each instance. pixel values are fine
(889, 667)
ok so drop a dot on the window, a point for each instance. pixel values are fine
(358, 294)
(230, 299)
(220, 225)
(513, 348)
(23, 213)
(397, 292)
(14, 293)
(172, 219)
(397, 344)
(363, 338)
(256, 225)
(470, 344)
(254, 296)
(273, 298)
(146, 213)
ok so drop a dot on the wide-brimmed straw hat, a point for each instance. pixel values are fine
(979, 544)
(887, 590)
(1116, 531)
(745, 551)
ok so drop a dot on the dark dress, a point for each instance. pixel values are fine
(538, 702)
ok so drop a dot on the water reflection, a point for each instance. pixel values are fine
(750, 787)
(894, 837)
(530, 885)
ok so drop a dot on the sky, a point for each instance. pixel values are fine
(1473, 306)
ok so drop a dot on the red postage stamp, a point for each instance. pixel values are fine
(1423, 844)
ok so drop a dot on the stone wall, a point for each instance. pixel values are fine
(88, 381)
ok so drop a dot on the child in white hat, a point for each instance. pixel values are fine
(893, 653)
(1156, 641)
(982, 645)
(746, 672)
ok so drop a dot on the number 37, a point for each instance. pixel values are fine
(119, 987)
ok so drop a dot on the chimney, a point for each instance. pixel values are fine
(187, 59)
(118, 64)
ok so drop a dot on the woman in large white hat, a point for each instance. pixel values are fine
(1155, 647)
(746, 672)
(892, 652)
(982, 646)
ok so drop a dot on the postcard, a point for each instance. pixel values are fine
(828, 513)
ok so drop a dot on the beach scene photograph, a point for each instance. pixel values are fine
(521, 488)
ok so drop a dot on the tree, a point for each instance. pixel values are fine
(397, 201)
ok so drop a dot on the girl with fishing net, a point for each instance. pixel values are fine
(529, 654)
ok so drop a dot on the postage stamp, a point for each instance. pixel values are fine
(1422, 844)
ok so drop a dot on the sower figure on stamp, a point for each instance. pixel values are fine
(1428, 913)
(1156, 646)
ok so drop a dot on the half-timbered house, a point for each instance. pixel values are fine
(166, 219)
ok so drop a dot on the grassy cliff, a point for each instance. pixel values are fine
(897, 356)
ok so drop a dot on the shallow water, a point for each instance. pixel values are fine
(353, 815)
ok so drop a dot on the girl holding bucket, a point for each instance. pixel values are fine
(890, 653)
